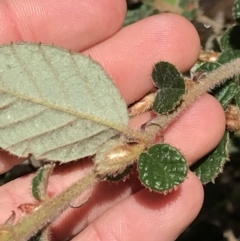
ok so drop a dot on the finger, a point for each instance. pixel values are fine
(75, 25)
(103, 197)
(149, 216)
(196, 131)
(129, 56)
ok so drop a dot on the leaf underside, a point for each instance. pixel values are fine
(54, 104)
(162, 168)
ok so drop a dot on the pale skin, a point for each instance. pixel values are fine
(127, 211)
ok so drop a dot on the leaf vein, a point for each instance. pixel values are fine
(8, 104)
(86, 84)
(29, 73)
(81, 115)
(72, 143)
(57, 75)
(32, 138)
(29, 117)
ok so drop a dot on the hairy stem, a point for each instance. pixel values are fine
(50, 210)
(213, 79)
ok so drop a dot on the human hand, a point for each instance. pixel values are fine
(126, 211)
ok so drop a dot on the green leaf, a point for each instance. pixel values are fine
(56, 105)
(228, 55)
(208, 67)
(230, 39)
(40, 181)
(171, 86)
(236, 10)
(225, 93)
(208, 168)
(162, 168)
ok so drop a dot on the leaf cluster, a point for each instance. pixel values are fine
(58, 121)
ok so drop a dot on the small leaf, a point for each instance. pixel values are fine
(40, 181)
(208, 67)
(236, 11)
(162, 168)
(230, 39)
(228, 55)
(225, 93)
(54, 104)
(171, 86)
(209, 167)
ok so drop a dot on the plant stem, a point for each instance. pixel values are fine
(31, 224)
(213, 79)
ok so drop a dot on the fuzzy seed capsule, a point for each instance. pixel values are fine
(115, 156)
